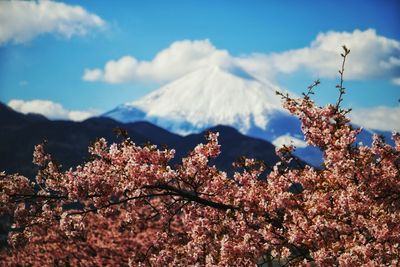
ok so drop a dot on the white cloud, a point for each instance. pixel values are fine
(76, 115)
(49, 109)
(372, 56)
(377, 118)
(21, 21)
(92, 75)
(179, 58)
(396, 81)
(289, 140)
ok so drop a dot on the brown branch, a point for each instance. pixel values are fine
(191, 196)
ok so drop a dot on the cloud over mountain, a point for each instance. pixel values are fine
(373, 56)
(21, 21)
(377, 118)
(180, 58)
(49, 109)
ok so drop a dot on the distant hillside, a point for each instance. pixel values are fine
(68, 141)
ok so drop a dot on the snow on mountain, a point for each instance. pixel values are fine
(126, 113)
(287, 139)
(204, 98)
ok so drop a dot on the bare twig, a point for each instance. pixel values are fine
(342, 90)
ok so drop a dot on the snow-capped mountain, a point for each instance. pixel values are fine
(204, 98)
(216, 96)
(213, 96)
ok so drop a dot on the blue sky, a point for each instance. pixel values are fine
(48, 59)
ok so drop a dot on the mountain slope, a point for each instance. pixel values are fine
(11, 119)
(68, 141)
(204, 98)
(233, 146)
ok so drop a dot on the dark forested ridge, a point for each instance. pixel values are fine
(68, 141)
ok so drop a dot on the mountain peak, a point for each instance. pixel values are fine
(210, 96)
(212, 72)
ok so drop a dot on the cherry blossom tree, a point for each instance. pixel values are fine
(128, 206)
